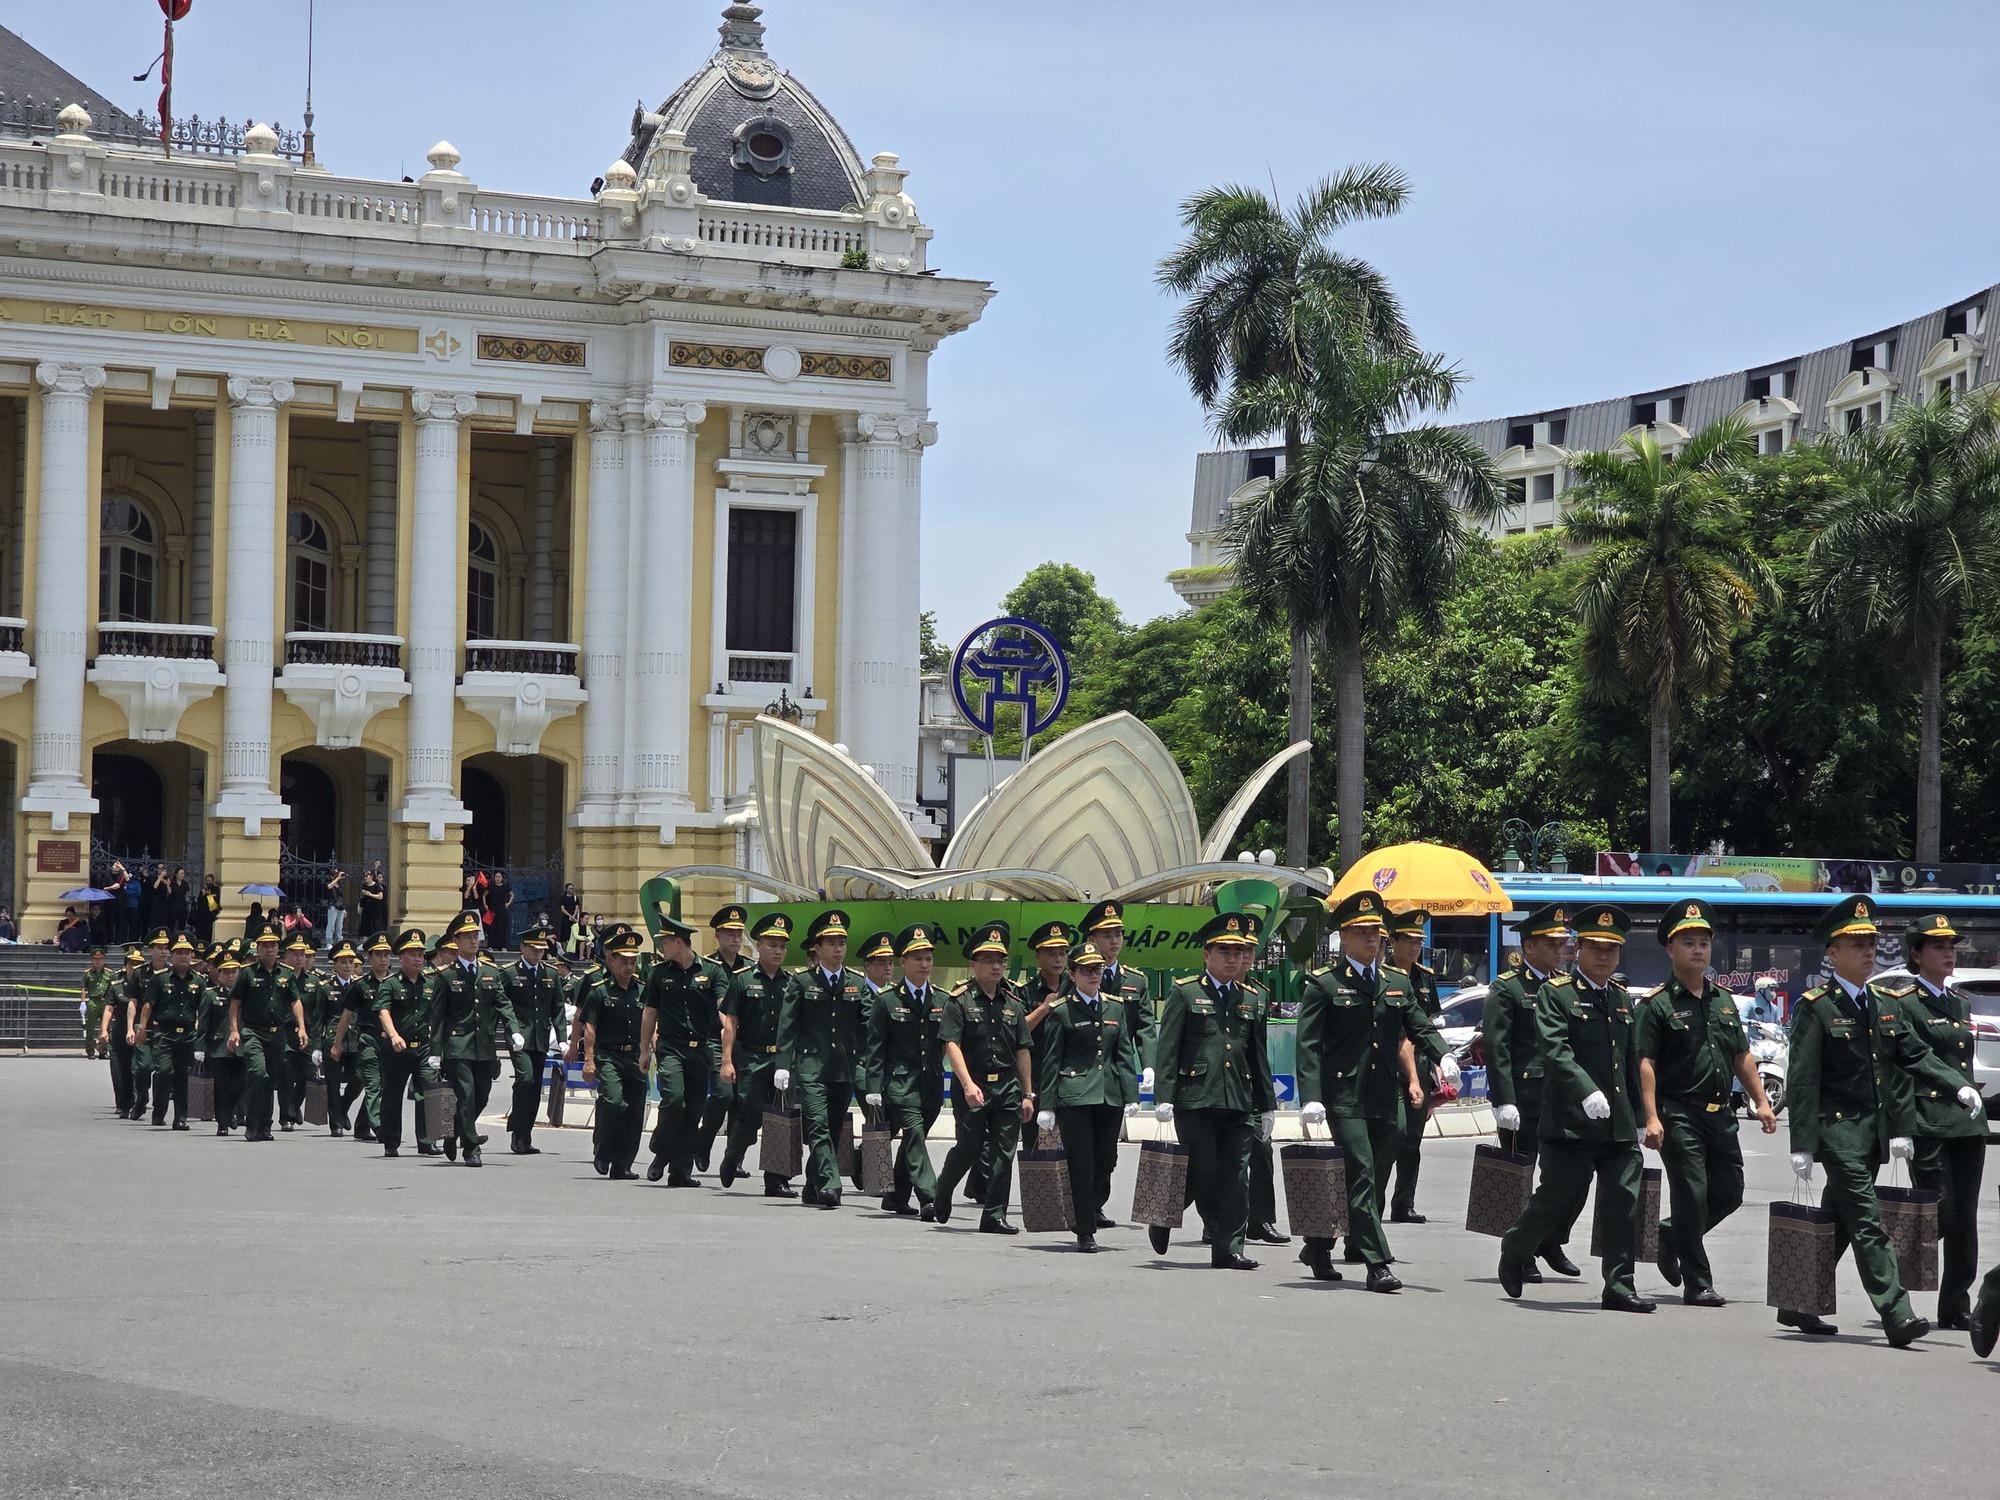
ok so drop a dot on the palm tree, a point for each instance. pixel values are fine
(1669, 580)
(1904, 543)
(1246, 267)
(1368, 523)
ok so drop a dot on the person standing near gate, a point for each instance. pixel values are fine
(263, 1010)
(819, 1039)
(466, 998)
(609, 1016)
(1590, 1112)
(728, 926)
(756, 1000)
(681, 1018)
(169, 1022)
(1090, 1068)
(1691, 1043)
(984, 1031)
(535, 991)
(1407, 932)
(903, 1068)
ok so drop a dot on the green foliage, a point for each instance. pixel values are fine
(1063, 600)
(934, 655)
(854, 260)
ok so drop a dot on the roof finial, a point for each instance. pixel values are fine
(741, 30)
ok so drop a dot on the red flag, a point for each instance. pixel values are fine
(174, 10)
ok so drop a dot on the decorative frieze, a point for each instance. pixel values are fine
(518, 351)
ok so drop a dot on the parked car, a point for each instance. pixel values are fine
(1462, 1011)
(1980, 990)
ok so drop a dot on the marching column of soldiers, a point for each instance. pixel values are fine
(1582, 1075)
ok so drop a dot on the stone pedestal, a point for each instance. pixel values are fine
(425, 876)
(38, 895)
(239, 860)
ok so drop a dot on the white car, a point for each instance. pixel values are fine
(1462, 1010)
(1980, 990)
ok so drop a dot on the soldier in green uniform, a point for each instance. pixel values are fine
(121, 1018)
(683, 996)
(263, 1007)
(96, 990)
(609, 1017)
(1050, 944)
(1407, 933)
(137, 985)
(344, 1083)
(1514, 1062)
(1951, 1123)
(1090, 1071)
(1590, 1111)
(170, 1023)
(309, 985)
(214, 1051)
(876, 954)
(466, 998)
(535, 991)
(402, 1017)
(1104, 926)
(728, 925)
(1690, 1042)
(984, 1030)
(357, 1037)
(750, 1014)
(903, 1068)
(1360, 1025)
(1214, 1080)
(1848, 1105)
(819, 1040)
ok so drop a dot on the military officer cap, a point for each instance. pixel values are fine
(535, 932)
(877, 945)
(1051, 935)
(619, 937)
(1232, 929)
(97, 950)
(1605, 924)
(1936, 925)
(1852, 917)
(231, 957)
(466, 921)
(182, 943)
(830, 923)
(1361, 909)
(379, 943)
(268, 932)
(728, 919)
(442, 943)
(1104, 914)
(159, 938)
(987, 937)
(918, 937)
(1554, 920)
(1685, 916)
(345, 950)
(1087, 955)
(672, 926)
(1410, 923)
(134, 956)
(772, 924)
(300, 943)
(412, 939)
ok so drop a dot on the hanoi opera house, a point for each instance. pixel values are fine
(346, 520)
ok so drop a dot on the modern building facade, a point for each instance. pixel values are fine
(349, 520)
(1838, 388)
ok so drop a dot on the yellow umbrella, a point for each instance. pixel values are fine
(1444, 881)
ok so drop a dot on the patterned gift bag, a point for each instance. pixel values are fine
(1045, 1200)
(878, 1158)
(1910, 1219)
(1645, 1224)
(558, 1089)
(201, 1095)
(1501, 1183)
(440, 1118)
(315, 1101)
(1160, 1195)
(1800, 1262)
(781, 1146)
(1315, 1188)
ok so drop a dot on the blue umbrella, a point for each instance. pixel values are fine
(260, 890)
(85, 893)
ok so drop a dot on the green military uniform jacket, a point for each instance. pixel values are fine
(311, 987)
(686, 1003)
(1088, 1053)
(1033, 994)
(755, 1002)
(1587, 1047)
(1692, 1041)
(1350, 1040)
(264, 1000)
(1513, 1041)
(990, 1033)
(904, 1043)
(1211, 1052)
(1128, 986)
(363, 1000)
(212, 1029)
(97, 986)
(464, 1004)
(819, 1028)
(1847, 1063)
(1945, 1026)
(617, 1014)
(1424, 985)
(177, 1004)
(408, 1002)
(537, 999)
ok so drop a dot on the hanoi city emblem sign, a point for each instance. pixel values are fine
(1010, 660)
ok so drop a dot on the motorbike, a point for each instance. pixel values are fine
(1770, 1047)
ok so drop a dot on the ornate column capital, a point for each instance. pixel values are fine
(675, 416)
(69, 380)
(606, 416)
(267, 395)
(442, 406)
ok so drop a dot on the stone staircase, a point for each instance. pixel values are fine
(38, 998)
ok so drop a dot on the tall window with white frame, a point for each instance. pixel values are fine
(128, 557)
(761, 629)
(309, 556)
(482, 585)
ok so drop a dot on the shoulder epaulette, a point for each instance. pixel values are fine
(1817, 992)
(958, 993)
(1506, 974)
(1252, 987)
(1392, 969)
(1058, 1002)
(1897, 987)
(1560, 980)
(1421, 967)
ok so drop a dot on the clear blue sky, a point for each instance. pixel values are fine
(1608, 197)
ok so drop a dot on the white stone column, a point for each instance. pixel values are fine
(879, 599)
(379, 612)
(603, 640)
(662, 626)
(56, 784)
(437, 568)
(202, 578)
(541, 566)
(250, 603)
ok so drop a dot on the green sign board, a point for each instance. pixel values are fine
(1156, 937)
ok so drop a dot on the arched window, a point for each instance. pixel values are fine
(482, 585)
(310, 558)
(128, 556)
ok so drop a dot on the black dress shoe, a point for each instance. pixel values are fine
(990, 1225)
(891, 1204)
(1228, 1262)
(927, 1214)
(159, 1120)
(1087, 1244)
(808, 1193)
(1530, 1273)
(1105, 1221)
(1985, 1328)
(1907, 1332)
(829, 1200)
(1953, 1322)
(624, 1174)
(1510, 1277)
(528, 1146)
(479, 1140)
(1268, 1234)
(1406, 1216)
(656, 1169)
(728, 1174)
(941, 1207)
(183, 1125)
(1706, 1296)
(1669, 1262)
(284, 1125)
(473, 1158)
(429, 1148)
(392, 1151)
(520, 1150)
(777, 1187)
(222, 1130)
(701, 1162)
(1808, 1323)
(451, 1147)
(681, 1179)
(602, 1167)
(1620, 1302)
(1320, 1263)
(1560, 1263)
(1158, 1237)
(363, 1133)
(1382, 1279)
(1205, 1236)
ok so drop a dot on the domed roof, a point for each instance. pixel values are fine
(758, 134)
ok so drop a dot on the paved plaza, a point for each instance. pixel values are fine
(183, 1315)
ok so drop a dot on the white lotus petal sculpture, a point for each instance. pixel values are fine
(817, 809)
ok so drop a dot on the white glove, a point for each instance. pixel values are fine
(1802, 1164)
(1973, 1100)
(1313, 1114)
(873, 1101)
(1131, 1110)
(1046, 1120)
(201, 1057)
(1265, 1122)
(1507, 1117)
(1146, 1080)
(520, 1042)
(1901, 1146)
(434, 1063)
(1596, 1106)
(317, 1059)
(782, 1078)
(1164, 1113)
(1448, 1070)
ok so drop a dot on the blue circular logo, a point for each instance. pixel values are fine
(1010, 660)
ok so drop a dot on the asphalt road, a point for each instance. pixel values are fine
(182, 1315)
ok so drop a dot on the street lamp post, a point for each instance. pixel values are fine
(1517, 834)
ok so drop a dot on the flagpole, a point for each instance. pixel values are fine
(167, 89)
